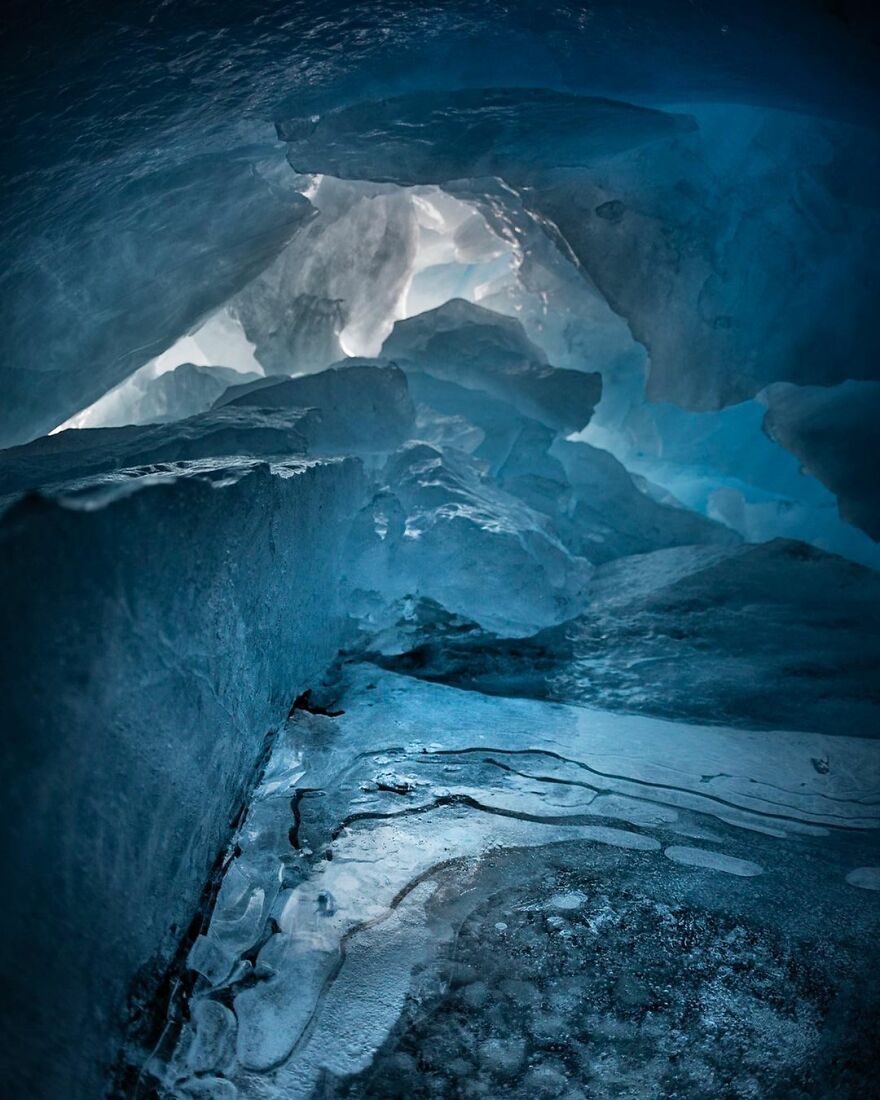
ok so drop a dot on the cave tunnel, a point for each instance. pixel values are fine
(439, 548)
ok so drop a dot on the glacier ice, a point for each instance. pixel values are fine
(831, 430)
(328, 294)
(145, 395)
(348, 935)
(479, 349)
(505, 132)
(145, 274)
(641, 198)
(491, 392)
(355, 408)
(597, 508)
(152, 399)
(364, 404)
(148, 666)
(436, 527)
(642, 205)
(749, 634)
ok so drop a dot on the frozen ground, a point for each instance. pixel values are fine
(438, 893)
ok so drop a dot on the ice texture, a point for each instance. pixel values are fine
(642, 200)
(504, 132)
(724, 464)
(547, 879)
(403, 830)
(144, 271)
(158, 637)
(698, 267)
(172, 395)
(832, 431)
(329, 293)
(597, 508)
(778, 636)
(364, 404)
(436, 527)
(355, 408)
(479, 349)
(87, 452)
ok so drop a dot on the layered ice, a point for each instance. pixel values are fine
(479, 349)
(355, 408)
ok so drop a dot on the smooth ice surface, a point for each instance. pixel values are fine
(712, 861)
(387, 815)
(866, 878)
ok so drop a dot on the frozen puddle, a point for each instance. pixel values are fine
(714, 861)
(403, 861)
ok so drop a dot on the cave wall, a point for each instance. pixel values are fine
(151, 644)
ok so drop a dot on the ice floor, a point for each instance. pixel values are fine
(439, 893)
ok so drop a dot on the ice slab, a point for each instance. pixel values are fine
(364, 404)
(778, 635)
(153, 637)
(478, 349)
(438, 525)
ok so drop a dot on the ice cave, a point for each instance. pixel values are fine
(439, 549)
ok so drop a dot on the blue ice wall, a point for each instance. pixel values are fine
(158, 637)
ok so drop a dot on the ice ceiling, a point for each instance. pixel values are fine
(716, 210)
(492, 390)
